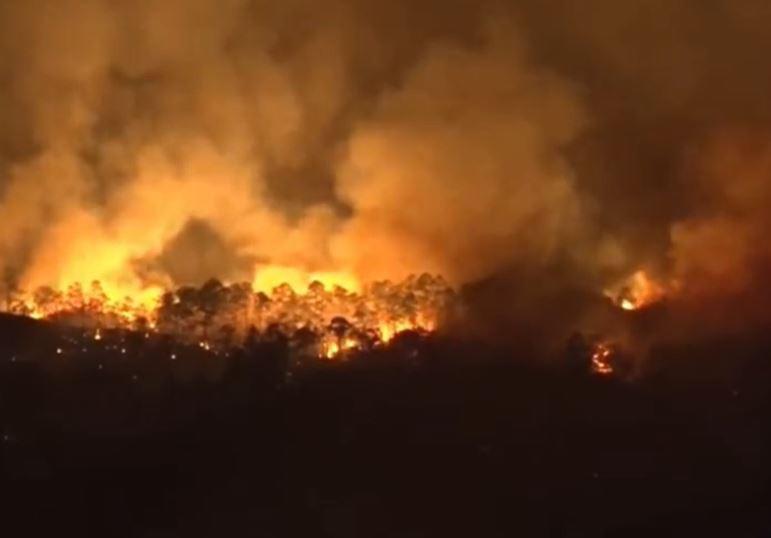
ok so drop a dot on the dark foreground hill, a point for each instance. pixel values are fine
(431, 437)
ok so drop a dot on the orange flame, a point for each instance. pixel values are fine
(332, 348)
(217, 315)
(637, 292)
(602, 359)
(270, 277)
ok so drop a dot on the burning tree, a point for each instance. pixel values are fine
(331, 321)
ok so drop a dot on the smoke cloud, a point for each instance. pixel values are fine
(151, 143)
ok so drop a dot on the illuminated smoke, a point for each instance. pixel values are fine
(638, 291)
(142, 118)
(149, 144)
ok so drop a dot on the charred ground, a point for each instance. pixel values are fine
(429, 436)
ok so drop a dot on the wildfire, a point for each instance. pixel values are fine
(602, 359)
(327, 317)
(637, 292)
(102, 305)
(270, 277)
(333, 348)
(388, 330)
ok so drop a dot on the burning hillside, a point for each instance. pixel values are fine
(149, 146)
(591, 179)
(327, 321)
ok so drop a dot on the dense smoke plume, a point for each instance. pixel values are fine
(161, 142)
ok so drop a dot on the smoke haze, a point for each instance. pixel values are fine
(160, 142)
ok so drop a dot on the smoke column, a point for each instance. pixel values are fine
(160, 142)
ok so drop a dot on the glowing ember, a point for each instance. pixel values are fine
(602, 359)
(637, 292)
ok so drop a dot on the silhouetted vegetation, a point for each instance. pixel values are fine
(135, 435)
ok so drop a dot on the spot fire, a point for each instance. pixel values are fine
(637, 292)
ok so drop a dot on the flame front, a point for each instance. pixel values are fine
(333, 319)
(107, 305)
